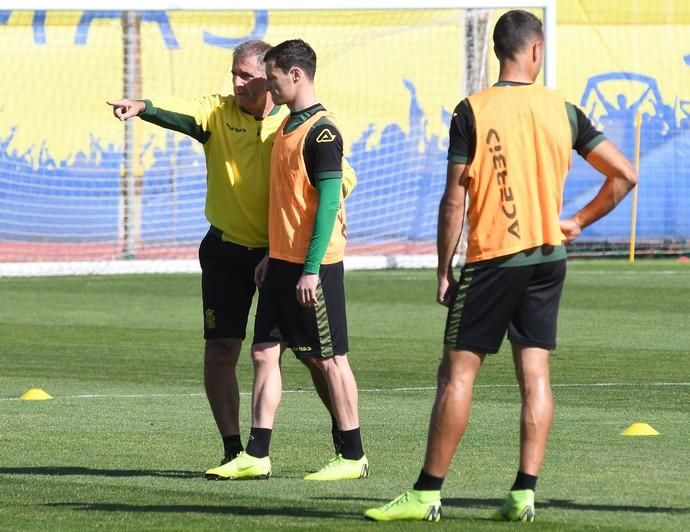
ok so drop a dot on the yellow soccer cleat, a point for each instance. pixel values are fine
(243, 467)
(413, 505)
(340, 468)
(518, 506)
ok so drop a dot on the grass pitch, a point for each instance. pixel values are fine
(123, 444)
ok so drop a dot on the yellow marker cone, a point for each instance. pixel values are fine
(639, 429)
(35, 394)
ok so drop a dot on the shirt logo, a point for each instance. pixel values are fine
(325, 136)
(237, 129)
(432, 514)
(501, 172)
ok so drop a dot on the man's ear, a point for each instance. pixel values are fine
(537, 50)
(295, 74)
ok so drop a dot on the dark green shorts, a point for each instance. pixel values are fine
(491, 300)
(319, 331)
(227, 285)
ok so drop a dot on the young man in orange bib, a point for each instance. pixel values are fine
(510, 150)
(237, 133)
(302, 297)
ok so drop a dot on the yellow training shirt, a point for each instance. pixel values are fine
(238, 153)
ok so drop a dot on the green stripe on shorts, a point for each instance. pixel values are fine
(455, 312)
(322, 323)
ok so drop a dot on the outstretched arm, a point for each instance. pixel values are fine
(190, 117)
(621, 178)
(126, 108)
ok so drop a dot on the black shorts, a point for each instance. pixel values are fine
(523, 300)
(227, 285)
(319, 331)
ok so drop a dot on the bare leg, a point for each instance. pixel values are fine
(532, 370)
(456, 375)
(268, 384)
(220, 381)
(320, 383)
(342, 389)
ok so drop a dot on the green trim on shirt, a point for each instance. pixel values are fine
(528, 257)
(572, 119)
(297, 118)
(331, 174)
(592, 144)
(324, 221)
(456, 158)
(511, 83)
(276, 109)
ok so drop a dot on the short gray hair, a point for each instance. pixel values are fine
(253, 48)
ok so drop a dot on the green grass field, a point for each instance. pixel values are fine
(124, 441)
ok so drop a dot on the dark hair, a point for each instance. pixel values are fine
(293, 53)
(513, 31)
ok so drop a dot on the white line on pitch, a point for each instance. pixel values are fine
(627, 272)
(372, 390)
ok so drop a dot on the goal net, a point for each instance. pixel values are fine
(82, 193)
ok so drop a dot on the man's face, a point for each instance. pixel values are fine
(248, 82)
(280, 84)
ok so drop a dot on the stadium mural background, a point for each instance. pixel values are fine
(392, 78)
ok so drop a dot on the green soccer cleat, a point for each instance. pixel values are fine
(243, 467)
(340, 468)
(413, 505)
(518, 506)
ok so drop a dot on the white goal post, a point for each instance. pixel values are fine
(80, 194)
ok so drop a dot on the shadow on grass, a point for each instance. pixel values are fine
(560, 504)
(87, 471)
(564, 504)
(289, 511)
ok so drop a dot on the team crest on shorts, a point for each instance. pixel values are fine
(210, 318)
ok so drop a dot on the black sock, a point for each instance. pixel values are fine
(351, 444)
(259, 442)
(427, 482)
(523, 481)
(232, 445)
(335, 434)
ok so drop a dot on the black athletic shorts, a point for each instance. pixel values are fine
(523, 300)
(227, 285)
(319, 331)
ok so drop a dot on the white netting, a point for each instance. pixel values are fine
(76, 186)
